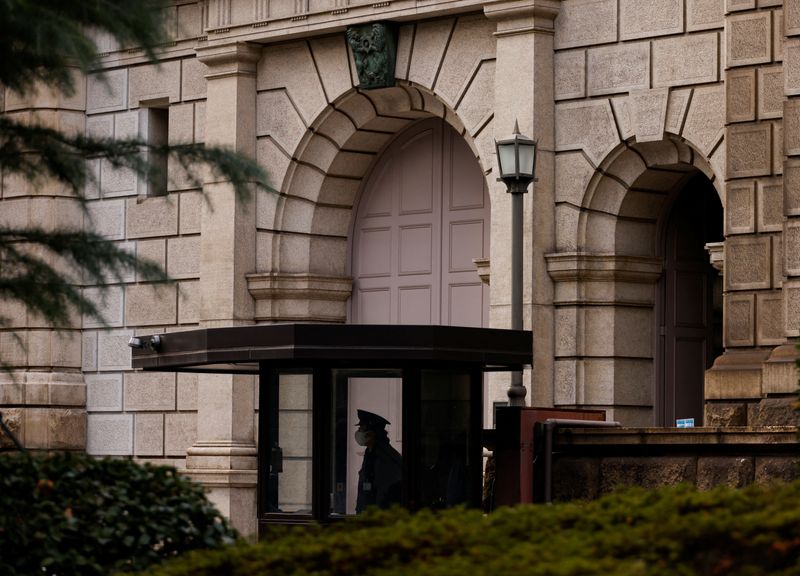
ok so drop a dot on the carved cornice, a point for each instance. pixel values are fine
(523, 16)
(582, 267)
(282, 297)
(235, 58)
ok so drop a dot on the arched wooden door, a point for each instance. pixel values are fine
(691, 331)
(422, 218)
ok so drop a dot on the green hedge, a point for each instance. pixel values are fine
(68, 514)
(672, 531)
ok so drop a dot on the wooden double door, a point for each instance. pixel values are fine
(422, 218)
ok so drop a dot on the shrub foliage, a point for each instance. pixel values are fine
(70, 514)
(672, 531)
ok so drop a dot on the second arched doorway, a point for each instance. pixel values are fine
(690, 334)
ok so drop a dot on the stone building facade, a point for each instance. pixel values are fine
(660, 129)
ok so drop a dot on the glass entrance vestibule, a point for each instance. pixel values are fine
(353, 416)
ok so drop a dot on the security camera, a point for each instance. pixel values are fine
(153, 344)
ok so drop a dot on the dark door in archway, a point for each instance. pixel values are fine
(692, 326)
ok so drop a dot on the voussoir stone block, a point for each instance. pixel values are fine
(278, 118)
(648, 113)
(649, 18)
(618, 68)
(586, 22)
(588, 126)
(685, 60)
(705, 121)
(291, 66)
(430, 42)
(333, 63)
(472, 41)
(476, 103)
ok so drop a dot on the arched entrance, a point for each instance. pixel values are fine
(422, 218)
(611, 280)
(691, 302)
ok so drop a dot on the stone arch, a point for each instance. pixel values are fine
(338, 150)
(304, 229)
(627, 196)
(607, 274)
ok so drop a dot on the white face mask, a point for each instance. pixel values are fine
(361, 438)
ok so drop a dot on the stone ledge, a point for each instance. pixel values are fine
(299, 297)
(673, 437)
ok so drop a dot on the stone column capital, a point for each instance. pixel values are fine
(539, 13)
(233, 58)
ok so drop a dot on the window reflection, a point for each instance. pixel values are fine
(445, 444)
(290, 440)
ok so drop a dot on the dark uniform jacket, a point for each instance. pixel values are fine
(380, 477)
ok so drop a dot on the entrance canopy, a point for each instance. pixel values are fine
(354, 416)
(240, 349)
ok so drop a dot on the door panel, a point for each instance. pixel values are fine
(689, 281)
(422, 219)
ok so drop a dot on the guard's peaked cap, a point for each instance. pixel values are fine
(371, 421)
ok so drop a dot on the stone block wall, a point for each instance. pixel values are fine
(640, 104)
(42, 391)
(756, 373)
(150, 416)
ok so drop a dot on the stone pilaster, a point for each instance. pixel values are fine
(224, 456)
(758, 226)
(43, 393)
(524, 93)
